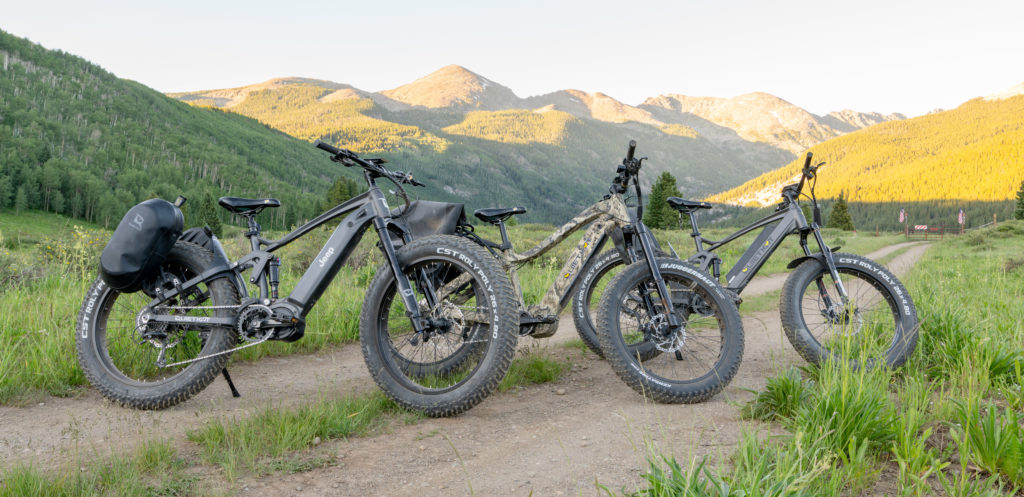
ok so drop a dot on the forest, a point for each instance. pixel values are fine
(78, 141)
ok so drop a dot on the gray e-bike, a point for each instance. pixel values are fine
(431, 346)
(833, 305)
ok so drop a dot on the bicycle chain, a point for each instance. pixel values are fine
(200, 358)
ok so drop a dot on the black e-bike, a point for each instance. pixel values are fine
(431, 346)
(833, 305)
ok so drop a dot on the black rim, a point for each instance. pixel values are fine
(131, 355)
(872, 316)
(690, 356)
(453, 352)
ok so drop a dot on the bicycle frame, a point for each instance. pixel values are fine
(604, 218)
(363, 210)
(788, 220)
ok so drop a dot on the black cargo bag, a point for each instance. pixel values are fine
(140, 244)
(424, 217)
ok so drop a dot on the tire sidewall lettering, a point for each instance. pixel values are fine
(89, 308)
(484, 280)
(879, 272)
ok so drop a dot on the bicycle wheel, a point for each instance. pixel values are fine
(878, 322)
(462, 358)
(697, 360)
(119, 351)
(600, 270)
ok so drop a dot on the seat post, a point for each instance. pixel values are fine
(505, 243)
(695, 233)
(254, 230)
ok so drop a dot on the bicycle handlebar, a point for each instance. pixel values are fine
(348, 157)
(630, 152)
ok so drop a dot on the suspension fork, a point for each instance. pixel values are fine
(647, 242)
(831, 264)
(412, 307)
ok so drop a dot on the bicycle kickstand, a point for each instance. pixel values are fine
(234, 391)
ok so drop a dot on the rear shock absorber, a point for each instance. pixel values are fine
(275, 271)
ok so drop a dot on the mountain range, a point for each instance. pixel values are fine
(974, 152)
(77, 140)
(465, 130)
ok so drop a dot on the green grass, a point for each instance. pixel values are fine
(266, 440)
(533, 368)
(154, 469)
(947, 423)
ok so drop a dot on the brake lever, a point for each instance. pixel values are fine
(343, 160)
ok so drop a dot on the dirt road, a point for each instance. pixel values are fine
(555, 439)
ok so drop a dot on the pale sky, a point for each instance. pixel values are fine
(868, 55)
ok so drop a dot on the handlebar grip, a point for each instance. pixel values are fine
(631, 150)
(807, 163)
(327, 147)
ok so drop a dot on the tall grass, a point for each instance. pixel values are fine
(947, 423)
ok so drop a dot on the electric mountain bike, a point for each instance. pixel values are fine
(157, 347)
(833, 305)
(670, 292)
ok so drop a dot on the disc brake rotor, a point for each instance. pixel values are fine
(663, 338)
(846, 320)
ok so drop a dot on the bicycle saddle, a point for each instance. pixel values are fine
(682, 205)
(495, 215)
(243, 205)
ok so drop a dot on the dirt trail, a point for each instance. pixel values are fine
(552, 440)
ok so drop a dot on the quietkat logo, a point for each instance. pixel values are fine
(137, 221)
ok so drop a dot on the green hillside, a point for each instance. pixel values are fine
(972, 153)
(77, 140)
(551, 161)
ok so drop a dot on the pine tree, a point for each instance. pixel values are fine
(1018, 213)
(658, 213)
(342, 190)
(208, 214)
(20, 200)
(5, 191)
(840, 215)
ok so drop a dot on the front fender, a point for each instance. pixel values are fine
(819, 256)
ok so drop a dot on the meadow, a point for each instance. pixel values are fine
(948, 423)
(47, 263)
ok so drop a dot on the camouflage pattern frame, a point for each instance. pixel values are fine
(603, 217)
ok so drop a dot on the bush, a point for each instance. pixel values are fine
(782, 396)
(78, 255)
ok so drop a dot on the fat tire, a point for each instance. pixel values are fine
(94, 359)
(664, 390)
(803, 341)
(592, 275)
(500, 350)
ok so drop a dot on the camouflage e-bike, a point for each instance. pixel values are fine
(671, 296)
